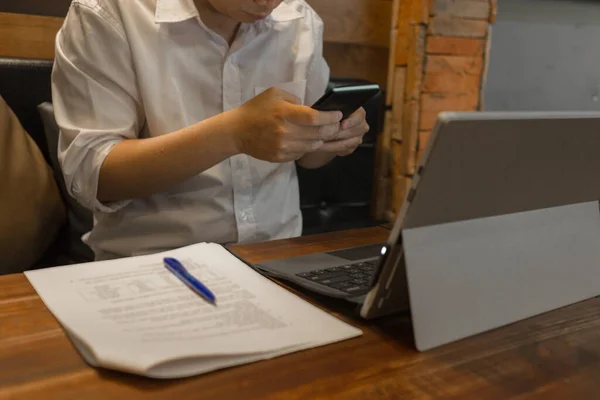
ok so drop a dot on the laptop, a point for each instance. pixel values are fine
(476, 165)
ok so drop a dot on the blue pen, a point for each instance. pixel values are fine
(180, 272)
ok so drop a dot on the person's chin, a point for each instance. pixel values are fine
(248, 17)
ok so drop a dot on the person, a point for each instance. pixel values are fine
(181, 120)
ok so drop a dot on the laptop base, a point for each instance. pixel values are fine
(347, 274)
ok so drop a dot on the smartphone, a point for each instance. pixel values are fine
(346, 99)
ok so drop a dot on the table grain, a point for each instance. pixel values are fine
(552, 356)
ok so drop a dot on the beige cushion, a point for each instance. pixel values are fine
(31, 209)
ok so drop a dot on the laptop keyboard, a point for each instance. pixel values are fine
(354, 279)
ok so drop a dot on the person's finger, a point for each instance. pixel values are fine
(341, 146)
(356, 131)
(312, 133)
(328, 132)
(302, 146)
(302, 115)
(355, 119)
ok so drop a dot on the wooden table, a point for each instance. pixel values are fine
(552, 356)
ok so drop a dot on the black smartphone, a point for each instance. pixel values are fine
(346, 99)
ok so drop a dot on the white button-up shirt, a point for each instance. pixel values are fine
(129, 69)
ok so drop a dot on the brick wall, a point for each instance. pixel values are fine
(438, 62)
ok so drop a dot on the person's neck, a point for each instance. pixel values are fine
(214, 20)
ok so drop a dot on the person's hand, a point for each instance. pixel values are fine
(274, 127)
(350, 135)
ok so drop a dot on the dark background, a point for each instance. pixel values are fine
(55, 8)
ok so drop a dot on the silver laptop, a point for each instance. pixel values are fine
(476, 165)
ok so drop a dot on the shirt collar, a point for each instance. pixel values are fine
(288, 10)
(168, 11)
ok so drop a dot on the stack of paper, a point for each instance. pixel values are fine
(133, 315)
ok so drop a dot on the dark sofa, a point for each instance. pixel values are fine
(335, 197)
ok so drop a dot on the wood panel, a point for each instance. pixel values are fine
(28, 36)
(357, 33)
(357, 37)
(347, 21)
(53, 8)
(364, 62)
(363, 22)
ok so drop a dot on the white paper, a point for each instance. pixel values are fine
(133, 314)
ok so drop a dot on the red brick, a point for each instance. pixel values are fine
(451, 83)
(458, 27)
(434, 103)
(452, 74)
(454, 64)
(473, 9)
(455, 46)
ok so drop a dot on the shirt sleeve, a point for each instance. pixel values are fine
(318, 74)
(95, 98)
